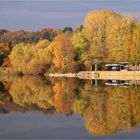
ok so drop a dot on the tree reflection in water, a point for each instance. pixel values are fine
(106, 110)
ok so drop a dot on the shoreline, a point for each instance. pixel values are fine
(104, 75)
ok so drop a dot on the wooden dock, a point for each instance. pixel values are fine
(106, 75)
(63, 75)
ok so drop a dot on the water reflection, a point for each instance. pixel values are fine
(105, 109)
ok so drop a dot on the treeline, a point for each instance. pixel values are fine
(105, 37)
(16, 37)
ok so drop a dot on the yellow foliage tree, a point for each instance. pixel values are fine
(30, 59)
(28, 91)
(109, 35)
(135, 47)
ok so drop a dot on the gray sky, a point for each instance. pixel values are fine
(38, 14)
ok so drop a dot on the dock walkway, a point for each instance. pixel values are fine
(117, 75)
(104, 75)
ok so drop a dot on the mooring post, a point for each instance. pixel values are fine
(96, 82)
(95, 67)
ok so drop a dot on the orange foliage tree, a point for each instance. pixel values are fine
(63, 52)
(64, 97)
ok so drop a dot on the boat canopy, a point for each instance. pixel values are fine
(114, 65)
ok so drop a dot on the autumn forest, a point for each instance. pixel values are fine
(104, 37)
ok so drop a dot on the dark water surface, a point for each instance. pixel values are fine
(42, 108)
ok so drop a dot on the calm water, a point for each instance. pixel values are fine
(35, 107)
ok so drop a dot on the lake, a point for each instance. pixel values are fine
(68, 108)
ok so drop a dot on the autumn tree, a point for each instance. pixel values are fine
(135, 46)
(63, 53)
(16, 37)
(109, 36)
(78, 29)
(67, 29)
(80, 44)
(2, 56)
(30, 59)
(63, 96)
(43, 43)
(29, 91)
(4, 52)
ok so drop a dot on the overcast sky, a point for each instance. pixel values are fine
(38, 14)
